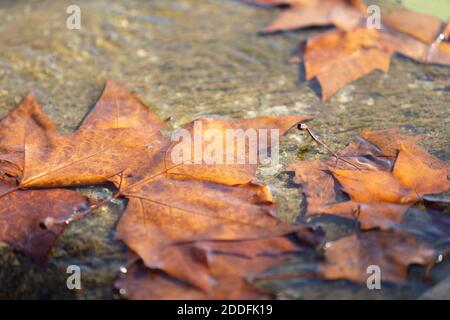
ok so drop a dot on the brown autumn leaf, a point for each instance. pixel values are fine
(370, 150)
(172, 203)
(230, 265)
(13, 129)
(349, 257)
(394, 174)
(22, 214)
(344, 14)
(103, 146)
(236, 171)
(422, 26)
(118, 108)
(338, 57)
(408, 182)
(353, 50)
(169, 203)
(141, 283)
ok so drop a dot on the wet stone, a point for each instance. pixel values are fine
(185, 59)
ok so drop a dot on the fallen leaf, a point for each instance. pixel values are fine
(345, 14)
(422, 26)
(231, 172)
(23, 213)
(118, 108)
(13, 128)
(435, 53)
(343, 55)
(230, 265)
(87, 156)
(349, 257)
(141, 283)
(337, 57)
(394, 174)
(106, 142)
(413, 173)
(169, 204)
(367, 186)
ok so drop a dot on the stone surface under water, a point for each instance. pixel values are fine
(186, 59)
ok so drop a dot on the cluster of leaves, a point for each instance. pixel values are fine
(351, 50)
(200, 230)
(373, 181)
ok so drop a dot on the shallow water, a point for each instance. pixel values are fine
(191, 58)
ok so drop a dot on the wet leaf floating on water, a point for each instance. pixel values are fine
(344, 14)
(394, 174)
(349, 257)
(22, 214)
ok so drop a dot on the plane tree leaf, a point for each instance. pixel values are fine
(391, 172)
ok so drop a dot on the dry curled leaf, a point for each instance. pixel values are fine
(394, 173)
(349, 257)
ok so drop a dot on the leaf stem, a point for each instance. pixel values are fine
(9, 191)
(304, 127)
(49, 222)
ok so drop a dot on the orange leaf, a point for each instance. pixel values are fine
(394, 174)
(345, 14)
(349, 257)
(23, 213)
